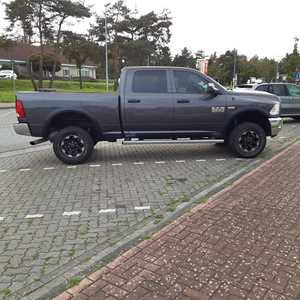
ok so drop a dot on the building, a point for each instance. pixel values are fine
(18, 56)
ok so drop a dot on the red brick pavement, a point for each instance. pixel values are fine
(243, 244)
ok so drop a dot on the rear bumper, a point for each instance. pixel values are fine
(276, 125)
(22, 129)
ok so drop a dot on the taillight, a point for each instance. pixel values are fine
(20, 110)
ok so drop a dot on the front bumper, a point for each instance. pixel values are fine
(22, 129)
(276, 125)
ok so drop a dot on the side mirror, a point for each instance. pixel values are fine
(212, 89)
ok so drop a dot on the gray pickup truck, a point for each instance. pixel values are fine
(153, 105)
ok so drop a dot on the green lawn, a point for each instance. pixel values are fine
(8, 95)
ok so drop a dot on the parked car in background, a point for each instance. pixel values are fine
(289, 95)
(8, 74)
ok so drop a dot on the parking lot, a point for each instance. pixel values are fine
(55, 217)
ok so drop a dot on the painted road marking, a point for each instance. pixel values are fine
(142, 207)
(3, 171)
(38, 216)
(94, 166)
(117, 165)
(1, 219)
(49, 169)
(25, 170)
(71, 213)
(160, 162)
(221, 159)
(139, 163)
(180, 161)
(107, 211)
(200, 160)
(72, 167)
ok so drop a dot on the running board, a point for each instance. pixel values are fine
(170, 142)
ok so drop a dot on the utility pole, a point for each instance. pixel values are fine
(234, 81)
(106, 48)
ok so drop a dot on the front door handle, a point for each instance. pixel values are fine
(134, 101)
(182, 101)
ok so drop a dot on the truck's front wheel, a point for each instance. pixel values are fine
(247, 140)
(73, 145)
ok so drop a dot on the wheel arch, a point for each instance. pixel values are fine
(65, 118)
(253, 115)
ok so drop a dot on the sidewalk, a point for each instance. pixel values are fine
(243, 244)
(7, 105)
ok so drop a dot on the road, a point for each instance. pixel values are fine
(9, 140)
(56, 219)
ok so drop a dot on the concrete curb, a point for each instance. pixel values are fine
(7, 105)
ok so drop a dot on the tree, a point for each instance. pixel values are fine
(43, 19)
(19, 13)
(291, 62)
(185, 59)
(79, 48)
(133, 39)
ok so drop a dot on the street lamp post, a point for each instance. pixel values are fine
(106, 48)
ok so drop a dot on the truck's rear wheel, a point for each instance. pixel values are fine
(247, 140)
(73, 145)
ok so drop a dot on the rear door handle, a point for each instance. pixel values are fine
(183, 101)
(134, 101)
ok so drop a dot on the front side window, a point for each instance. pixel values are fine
(150, 81)
(277, 89)
(294, 90)
(189, 83)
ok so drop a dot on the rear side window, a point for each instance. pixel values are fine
(294, 90)
(150, 81)
(277, 89)
(263, 88)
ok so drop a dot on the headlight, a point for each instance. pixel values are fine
(275, 111)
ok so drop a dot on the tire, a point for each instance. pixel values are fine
(247, 140)
(73, 145)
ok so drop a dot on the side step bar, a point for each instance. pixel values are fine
(171, 142)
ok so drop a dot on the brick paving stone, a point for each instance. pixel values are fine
(243, 245)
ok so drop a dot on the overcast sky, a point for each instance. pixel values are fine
(262, 27)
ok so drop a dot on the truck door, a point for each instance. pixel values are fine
(148, 104)
(294, 92)
(197, 112)
(287, 106)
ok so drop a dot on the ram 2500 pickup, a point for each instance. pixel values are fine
(154, 104)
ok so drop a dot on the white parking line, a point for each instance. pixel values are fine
(221, 159)
(160, 162)
(200, 160)
(107, 211)
(3, 171)
(142, 207)
(49, 169)
(94, 166)
(139, 163)
(180, 161)
(38, 216)
(25, 170)
(72, 167)
(1, 219)
(71, 213)
(117, 165)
